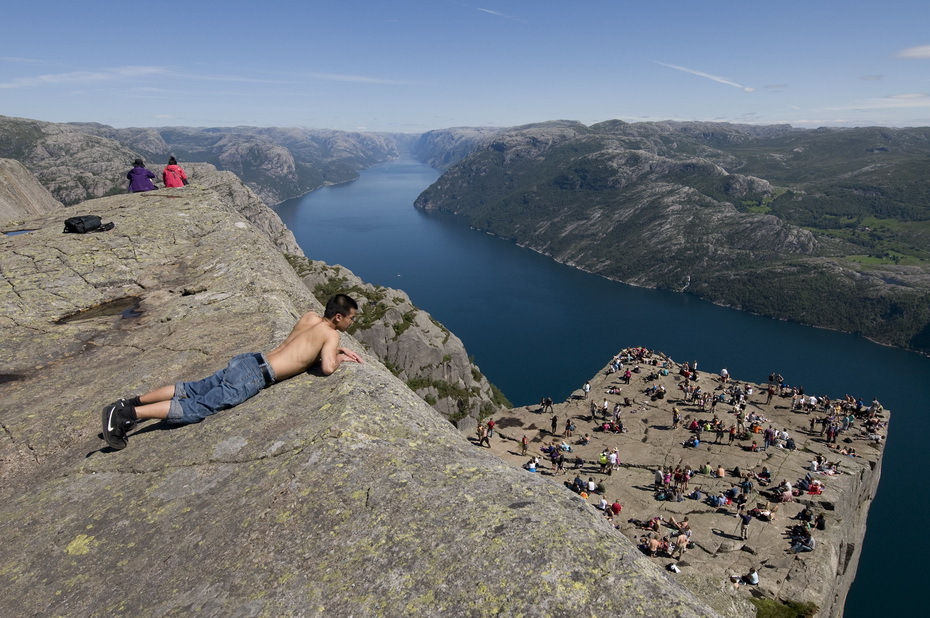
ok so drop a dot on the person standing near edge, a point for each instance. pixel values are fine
(313, 339)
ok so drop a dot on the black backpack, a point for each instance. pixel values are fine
(86, 223)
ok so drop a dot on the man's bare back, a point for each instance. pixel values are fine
(314, 338)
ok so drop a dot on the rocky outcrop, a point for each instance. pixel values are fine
(238, 198)
(21, 195)
(423, 353)
(821, 578)
(340, 495)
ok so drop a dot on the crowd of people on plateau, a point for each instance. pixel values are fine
(140, 178)
(719, 410)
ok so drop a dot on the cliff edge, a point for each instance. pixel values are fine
(338, 495)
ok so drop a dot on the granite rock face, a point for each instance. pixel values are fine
(236, 197)
(21, 194)
(339, 495)
(423, 353)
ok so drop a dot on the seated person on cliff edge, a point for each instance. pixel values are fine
(313, 339)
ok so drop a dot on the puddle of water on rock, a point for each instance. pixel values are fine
(126, 308)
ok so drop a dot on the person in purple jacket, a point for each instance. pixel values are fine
(140, 179)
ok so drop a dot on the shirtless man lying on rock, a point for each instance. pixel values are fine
(314, 339)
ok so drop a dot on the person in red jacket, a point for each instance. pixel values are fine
(173, 175)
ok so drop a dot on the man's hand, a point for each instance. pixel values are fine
(350, 355)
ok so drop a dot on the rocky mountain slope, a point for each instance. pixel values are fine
(324, 495)
(423, 353)
(80, 161)
(276, 163)
(765, 219)
(445, 147)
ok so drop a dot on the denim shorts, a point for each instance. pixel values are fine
(239, 381)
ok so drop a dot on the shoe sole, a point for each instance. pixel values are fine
(115, 442)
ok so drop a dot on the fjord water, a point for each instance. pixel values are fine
(537, 328)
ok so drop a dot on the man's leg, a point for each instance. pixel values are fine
(165, 393)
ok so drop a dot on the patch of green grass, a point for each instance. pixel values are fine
(406, 322)
(770, 608)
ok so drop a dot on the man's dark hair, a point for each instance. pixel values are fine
(172, 161)
(341, 304)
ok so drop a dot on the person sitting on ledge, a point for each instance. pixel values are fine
(803, 544)
(314, 339)
(750, 579)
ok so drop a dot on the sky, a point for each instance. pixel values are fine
(410, 66)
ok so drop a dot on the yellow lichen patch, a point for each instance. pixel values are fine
(81, 545)
(282, 517)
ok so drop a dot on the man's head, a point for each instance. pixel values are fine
(341, 309)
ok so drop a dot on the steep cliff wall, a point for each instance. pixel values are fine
(339, 495)
(423, 353)
(21, 194)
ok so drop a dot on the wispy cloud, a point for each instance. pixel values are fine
(15, 59)
(83, 77)
(716, 78)
(358, 79)
(86, 78)
(498, 14)
(921, 51)
(894, 101)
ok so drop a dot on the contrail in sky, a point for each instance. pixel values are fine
(716, 78)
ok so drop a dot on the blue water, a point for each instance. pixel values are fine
(537, 328)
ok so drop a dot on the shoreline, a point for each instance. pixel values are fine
(822, 577)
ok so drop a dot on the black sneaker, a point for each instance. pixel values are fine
(116, 422)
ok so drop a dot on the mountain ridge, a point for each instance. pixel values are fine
(689, 207)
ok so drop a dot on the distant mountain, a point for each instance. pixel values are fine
(827, 227)
(79, 161)
(445, 147)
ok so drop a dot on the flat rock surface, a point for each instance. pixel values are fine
(650, 442)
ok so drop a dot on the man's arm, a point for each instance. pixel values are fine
(332, 356)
